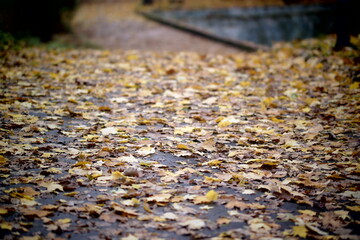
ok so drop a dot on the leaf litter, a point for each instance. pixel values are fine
(145, 145)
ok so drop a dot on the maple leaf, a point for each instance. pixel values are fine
(32, 213)
(51, 186)
(300, 231)
(258, 225)
(355, 85)
(342, 214)
(209, 145)
(237, 204)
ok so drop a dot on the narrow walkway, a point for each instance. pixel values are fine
(115, 25)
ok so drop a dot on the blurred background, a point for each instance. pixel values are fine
(117, 24)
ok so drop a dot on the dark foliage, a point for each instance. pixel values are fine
(40, 18)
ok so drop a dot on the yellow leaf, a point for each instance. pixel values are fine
(3, 211)
(21, 196)
(183, 130)
(71, 194)
(354, 85)
(268, 101)
(212, 163)
(116, 175)
(300, 231)
(182, 146)
(274, 119)
(212, 195)
(3, 160)
(147, 208)
(210, 179)
(354, 208)
(132, 57)
(6, 226)
(224, 123)
(245, 84)
(159, 219)
(135, 201)
(36, 237)
(63, 221)
(47, 155)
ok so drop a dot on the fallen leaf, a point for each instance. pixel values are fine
(300, 231)
(354, 208)
(162, 198)
(6, 225)
(193, 224)
(51, 186)
(223, 221)
(144, 151)
(212, 195)
(209, 145)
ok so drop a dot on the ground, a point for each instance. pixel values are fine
(134, 144)
(114, 25)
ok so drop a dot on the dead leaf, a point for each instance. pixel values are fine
(193, 224)
(299, 231)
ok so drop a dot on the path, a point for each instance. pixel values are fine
(114, 25)
(135, 145)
